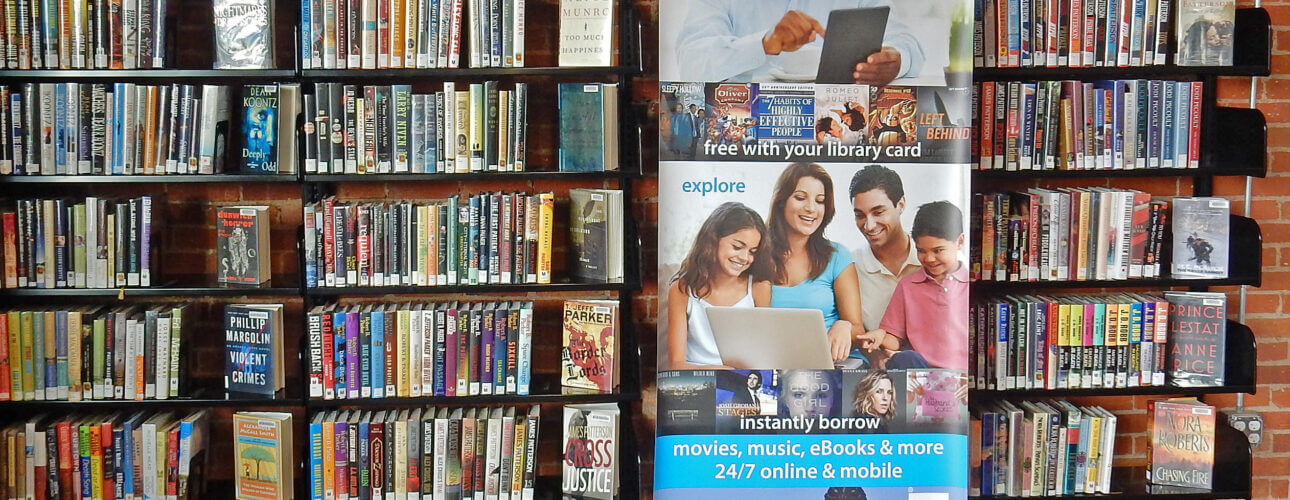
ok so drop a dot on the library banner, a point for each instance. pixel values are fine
(813, 248)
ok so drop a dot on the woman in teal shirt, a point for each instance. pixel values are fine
(811, 272)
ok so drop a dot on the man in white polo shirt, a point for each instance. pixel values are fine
(878, 198)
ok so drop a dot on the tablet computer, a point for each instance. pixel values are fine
(851, 36)
(771, 338)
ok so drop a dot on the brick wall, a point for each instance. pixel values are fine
(1266, 305)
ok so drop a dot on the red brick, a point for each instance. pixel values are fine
(1271, 466)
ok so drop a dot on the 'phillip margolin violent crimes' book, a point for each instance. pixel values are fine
(253, 349)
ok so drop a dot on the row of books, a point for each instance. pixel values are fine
(388, 129)
(424, 452)
(414, 350)
(1104, 125)
(1118, 33)
(41, 34)
(1040, 448)
(480, 239)
(82, 353)
(412, 34)
(57, 243)
(115, 455)
(1089, 341)
(112, 129)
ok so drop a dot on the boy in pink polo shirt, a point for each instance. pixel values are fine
(929, 308)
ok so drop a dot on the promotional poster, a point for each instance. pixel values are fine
(813, 262)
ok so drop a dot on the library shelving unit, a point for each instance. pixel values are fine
(202, 372)
(1233, 143)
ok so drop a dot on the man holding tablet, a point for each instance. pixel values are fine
(741, 39)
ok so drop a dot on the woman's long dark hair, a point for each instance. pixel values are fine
(818, 248)
(695, 274)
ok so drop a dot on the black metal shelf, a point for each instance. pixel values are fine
(161, 291)
(1103, 174)
(146, 179)
(419, 75)
(1245, 267)
(1251, 56)
(475, 400)
(471, 176)
(490, 288)
(151, 404)
(202, 75)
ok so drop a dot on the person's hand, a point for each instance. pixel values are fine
(793, 31)
(870, 341)
(840, 340)
(880, 68)
(961, 393)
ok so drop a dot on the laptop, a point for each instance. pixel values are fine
(771, 338)
(852, 35)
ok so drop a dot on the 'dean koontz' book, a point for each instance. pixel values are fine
(262, 455)
(243, 34)
(1181, 447)
(1201, 227)
(589, 358)
(259, 128)
(590, 451)
(253, 349)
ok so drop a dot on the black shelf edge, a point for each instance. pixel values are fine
(145, 179)
(166, 291)
(151, 404)
(1117, 173)
(475, 400)
(414, 75)
(1240, 360)
(207, 75)
(499, 288)
(472, 176)
(1245, 267)
(1251, 57)
(1235, 138)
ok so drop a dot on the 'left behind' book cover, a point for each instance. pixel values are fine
(259, 126)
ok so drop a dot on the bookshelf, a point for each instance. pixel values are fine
(197, 196)
(1233, 143)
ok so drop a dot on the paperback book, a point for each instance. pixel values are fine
(242, 245)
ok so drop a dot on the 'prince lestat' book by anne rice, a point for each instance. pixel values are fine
(253, 349)
(1197, 338)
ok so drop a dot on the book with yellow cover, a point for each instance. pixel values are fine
(262, 455)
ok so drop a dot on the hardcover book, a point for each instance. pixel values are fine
(588, 127)
(260, 129)
(1205, 32)
(253, 346)
(1200, 237)
(243, 34)
(242, 246)
(595, 235)
(1181, 447)
(590, 451)
(589, 358)
(262, 452)
(586, 32)
(1197, 337)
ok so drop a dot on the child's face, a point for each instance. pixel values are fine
(938, 256)
(736, 251)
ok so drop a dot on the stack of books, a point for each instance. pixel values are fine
(387, 129)
(52, 243)
(1040, 448)
(414, 350)
(113, 129)
(489, 238)
(1051, 33)
(1068, 234)
(1104, 125)
(84, 35)
(430, 452)
(411, 34)
(113, 455)
(83, 353)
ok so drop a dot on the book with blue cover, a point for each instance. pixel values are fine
(259, 126)
(254, 355)
(588, 127)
